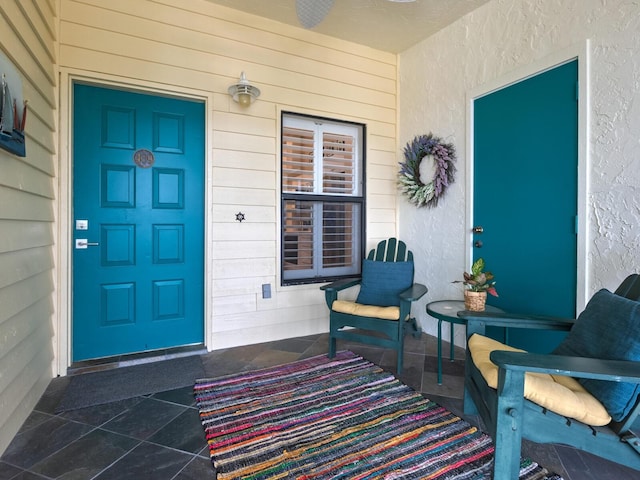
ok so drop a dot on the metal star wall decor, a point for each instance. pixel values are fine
(239, 217)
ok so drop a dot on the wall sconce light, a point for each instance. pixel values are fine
(243, 92)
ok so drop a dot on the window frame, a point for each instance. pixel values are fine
(357, 199)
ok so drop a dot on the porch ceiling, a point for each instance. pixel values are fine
(381, 24)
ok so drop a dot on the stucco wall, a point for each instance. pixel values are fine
(435, 78)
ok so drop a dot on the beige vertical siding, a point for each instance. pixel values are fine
(28, 38)
(196, 46)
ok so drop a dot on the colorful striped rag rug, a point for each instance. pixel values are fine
(345, 418)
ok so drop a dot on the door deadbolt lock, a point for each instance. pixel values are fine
(82, 243)
(478, 244)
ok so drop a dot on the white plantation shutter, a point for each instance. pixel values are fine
(298, 235)
(298, 160)
(322, 202)
(338, 235)
(338, 164)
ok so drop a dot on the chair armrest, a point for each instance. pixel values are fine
(341, 284)
(477, 321)
(580, 367)
(331, 290)
(415, 292)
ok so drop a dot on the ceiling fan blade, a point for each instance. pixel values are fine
(312, 12)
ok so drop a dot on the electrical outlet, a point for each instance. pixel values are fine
(266, 290)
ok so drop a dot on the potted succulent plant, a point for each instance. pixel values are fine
(477, 284)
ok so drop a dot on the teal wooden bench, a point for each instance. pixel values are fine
(510, 417)
(387, 283)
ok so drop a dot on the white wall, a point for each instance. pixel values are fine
(27, 38)
(198, 48)
(501, 37)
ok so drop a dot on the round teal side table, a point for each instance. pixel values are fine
(447, 311)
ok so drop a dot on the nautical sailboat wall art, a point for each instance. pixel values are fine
(13, 109)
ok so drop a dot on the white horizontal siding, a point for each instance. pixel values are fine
(232, 287)
(247, 179)
(247, 141)
(243, 322)
(27, 193)
(238, 196)
(248, 160)
(23, 235)
(195, 45)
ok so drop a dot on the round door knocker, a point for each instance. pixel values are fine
(143, 158)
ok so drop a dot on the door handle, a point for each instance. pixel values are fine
(477, 229)
(478, 244)
(82, 243)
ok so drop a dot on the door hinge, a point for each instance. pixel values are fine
(577, 91)
(575, 224)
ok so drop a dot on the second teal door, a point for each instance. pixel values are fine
(138, 222)
(525, 196)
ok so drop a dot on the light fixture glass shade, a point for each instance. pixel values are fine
(244, 99)
(243, 92)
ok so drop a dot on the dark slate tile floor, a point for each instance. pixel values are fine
(159, 436)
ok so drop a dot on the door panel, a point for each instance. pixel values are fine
(139, 183)
(525, 196)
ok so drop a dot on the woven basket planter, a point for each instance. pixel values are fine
(474, 301)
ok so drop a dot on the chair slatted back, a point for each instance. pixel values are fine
(630, 287)
(391, 250)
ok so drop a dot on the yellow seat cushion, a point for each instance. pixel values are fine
(558, 393)
(353, 308)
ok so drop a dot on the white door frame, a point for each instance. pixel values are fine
(581, 53)
(64, 230)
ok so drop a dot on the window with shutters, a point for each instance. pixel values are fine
(322, 198)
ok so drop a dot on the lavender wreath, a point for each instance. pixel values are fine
(417, 191)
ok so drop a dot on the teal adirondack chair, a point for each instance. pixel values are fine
(380, 315)
(510, 417)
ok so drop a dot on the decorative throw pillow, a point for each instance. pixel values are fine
(608, 328)
(382, 282)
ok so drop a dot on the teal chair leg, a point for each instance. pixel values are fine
(332, 347)
(402, 326)
(439, 352)
(468, 405)
(451, 344)
(416, 330)
(508, 425)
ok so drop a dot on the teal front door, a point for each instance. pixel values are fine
(138, 222)
(525, 196)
